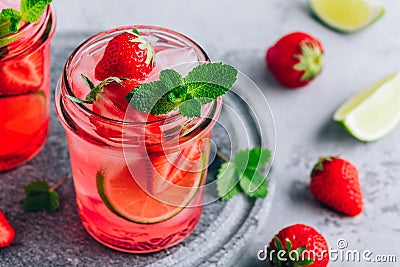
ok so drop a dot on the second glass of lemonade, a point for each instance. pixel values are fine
(25, 90)
(139, 182)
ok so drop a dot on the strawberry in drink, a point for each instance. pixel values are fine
(24, 89)
(138, 177)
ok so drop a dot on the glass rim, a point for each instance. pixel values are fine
(27, 26)
(92, 40)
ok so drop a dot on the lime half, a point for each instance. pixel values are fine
(374, 112)
(346, 15)
(124, 197)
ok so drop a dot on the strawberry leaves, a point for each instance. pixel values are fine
(289, 256)
(244, 175)
(95, 90)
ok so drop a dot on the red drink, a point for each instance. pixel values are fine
(24, 90)
(138, 182)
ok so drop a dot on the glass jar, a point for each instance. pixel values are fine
(25, 90)
(139, 184)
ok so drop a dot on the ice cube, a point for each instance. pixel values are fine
(86, 66)
(180, 59)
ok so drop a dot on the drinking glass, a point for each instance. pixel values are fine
(25, 90)
(139, 184)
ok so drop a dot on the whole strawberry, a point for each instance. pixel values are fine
(127, 55)
(296, 59)
(7, 233)
(335, 183)
(298, 245)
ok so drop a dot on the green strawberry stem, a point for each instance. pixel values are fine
(59, 183)
(319, 166)
(144, 45)
(287, 259)
(310, 60)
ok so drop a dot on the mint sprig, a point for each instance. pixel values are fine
(202, 85)
(39, 196)
(244, 175)
(30, 11)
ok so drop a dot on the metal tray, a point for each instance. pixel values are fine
(58, 239)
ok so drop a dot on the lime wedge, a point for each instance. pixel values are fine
(346, 15)
(374, 112)
(124, 197)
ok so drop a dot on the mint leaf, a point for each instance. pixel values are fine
(39, 196)
(248, 163)
(218, 74)
(171, 79)
(190, 108)
(254, 184)
(151, 98)
(204, 83)
(210, 81)
(246, 171)
(37, 186)
(31, 10)
(227, 181)
(252, 159)
(9, 21)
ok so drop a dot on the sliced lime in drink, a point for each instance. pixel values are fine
(374, 112)
(346, 15)
(123, 196)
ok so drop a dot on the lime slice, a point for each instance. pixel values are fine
(124, 197)
(346, 15)
(374, 112)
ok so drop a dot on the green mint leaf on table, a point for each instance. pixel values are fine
(244, 175)
(31, 10)
(227, 181)
(252, 159)
(95, 90)
(253, 183)
(39, 196)
(202, 85)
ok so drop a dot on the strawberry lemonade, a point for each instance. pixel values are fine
(24, 89)
(138, 177)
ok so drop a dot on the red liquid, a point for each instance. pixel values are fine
(132, 194)
(24, 94)
(111, 228)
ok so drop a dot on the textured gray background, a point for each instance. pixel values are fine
(303, 117)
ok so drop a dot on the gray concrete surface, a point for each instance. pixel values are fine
(238, 32)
